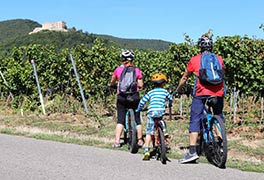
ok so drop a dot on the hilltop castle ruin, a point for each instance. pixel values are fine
(52, 26)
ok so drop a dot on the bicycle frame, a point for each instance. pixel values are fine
(207, 133)
(206, 126)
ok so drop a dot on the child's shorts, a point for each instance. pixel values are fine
(150, 123)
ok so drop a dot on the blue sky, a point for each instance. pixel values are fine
(166, 20)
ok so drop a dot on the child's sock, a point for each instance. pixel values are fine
(146, 149)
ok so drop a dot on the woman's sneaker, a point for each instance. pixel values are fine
(116, 145)
(188, 157)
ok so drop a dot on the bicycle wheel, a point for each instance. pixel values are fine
(162, 147)
(132, 132)
(218, 149)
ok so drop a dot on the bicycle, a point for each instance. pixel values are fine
(130, 132)
(130, 128)
(160, 149)
(212, 138)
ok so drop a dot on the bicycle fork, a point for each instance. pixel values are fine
(155, 138)
(207, 133)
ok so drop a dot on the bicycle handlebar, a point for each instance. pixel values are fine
(113, 86)
(165, 114)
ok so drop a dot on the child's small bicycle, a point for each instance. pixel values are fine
(212, 139)
(160, 148)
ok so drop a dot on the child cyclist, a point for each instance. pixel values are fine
(156, 108)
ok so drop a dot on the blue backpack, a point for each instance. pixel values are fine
(211, 72)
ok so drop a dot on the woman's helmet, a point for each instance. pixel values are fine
(128, 55)
(205, 43)
(159, 78)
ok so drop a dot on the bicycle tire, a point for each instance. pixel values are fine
(132, 132)
(125, 137)
(218, 151)
(162, 147)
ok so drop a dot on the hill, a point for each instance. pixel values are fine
(12, 29)
(15, 33)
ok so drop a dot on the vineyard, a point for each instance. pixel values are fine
(244, 66)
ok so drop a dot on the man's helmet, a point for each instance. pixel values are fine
(159, 78)
(205, 43)
(128, 55)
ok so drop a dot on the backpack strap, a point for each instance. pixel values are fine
(123, 72)
(134, 74)
(194, 86)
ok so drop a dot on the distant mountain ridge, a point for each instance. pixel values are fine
(14, 33)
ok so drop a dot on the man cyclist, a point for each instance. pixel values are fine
(123, 103)
(200, 93)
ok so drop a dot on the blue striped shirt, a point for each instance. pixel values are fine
(156, 98)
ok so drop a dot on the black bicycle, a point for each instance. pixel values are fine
(212, 138)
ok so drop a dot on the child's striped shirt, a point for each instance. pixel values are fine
(156, 98)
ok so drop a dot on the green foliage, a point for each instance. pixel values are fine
(243, 62)
(96, 60)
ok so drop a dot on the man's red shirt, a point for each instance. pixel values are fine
(204, 90)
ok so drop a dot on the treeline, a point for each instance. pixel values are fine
(143, 44)
(243, 63)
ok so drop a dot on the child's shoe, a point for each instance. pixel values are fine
(146, 156)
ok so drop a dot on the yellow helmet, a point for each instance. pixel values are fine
(159, 78)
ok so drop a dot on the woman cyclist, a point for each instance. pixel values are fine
(123, 103)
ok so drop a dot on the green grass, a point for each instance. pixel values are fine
(246, 166)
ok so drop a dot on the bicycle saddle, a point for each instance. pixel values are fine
(211, 101)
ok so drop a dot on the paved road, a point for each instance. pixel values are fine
(24, 158)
